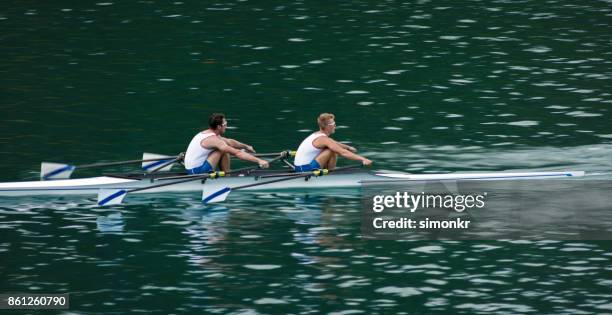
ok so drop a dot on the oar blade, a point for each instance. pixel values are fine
(50, 170)
(107, 197)
(218, 195)
(152, 165)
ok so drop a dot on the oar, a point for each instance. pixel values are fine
(153, 162)
(166, 166)
(115, 196)
(220, 195)
(289, 153)
(49, 170)
(239, 170)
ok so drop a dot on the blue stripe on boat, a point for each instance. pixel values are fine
(58, 171)
(113, 196)
(216, 194)
(154, 164)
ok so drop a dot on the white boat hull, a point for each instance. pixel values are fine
(91, 186)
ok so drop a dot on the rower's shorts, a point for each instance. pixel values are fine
(204, 168)
(314, 165)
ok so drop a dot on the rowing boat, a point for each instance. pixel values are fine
(347, 178)
(111, 189)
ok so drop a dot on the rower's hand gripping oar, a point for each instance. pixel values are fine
(115, 196)
(150, 161)
(220, 195)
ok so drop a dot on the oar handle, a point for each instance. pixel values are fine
(288, 152)
(282, 155)
(247, 169)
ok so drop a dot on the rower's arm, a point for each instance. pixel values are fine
(224, 147)
(348, 147)
(341, 150)
(237, 144)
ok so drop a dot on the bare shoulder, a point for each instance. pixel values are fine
(323, 141)
(211, 142)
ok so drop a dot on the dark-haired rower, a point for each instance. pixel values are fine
(208, 149)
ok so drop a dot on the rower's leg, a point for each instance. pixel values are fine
(225, 162)
(327, 159)
(332, 161)
(213, 158)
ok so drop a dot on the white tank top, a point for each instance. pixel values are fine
(307, 151)
(196, 154)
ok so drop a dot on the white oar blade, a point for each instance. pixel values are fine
(107, 197)
(152, 165)
(55, 170)
(218, 195)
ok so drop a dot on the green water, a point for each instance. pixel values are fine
(416, 86)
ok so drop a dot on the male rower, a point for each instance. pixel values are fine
(319, 150)
(208, 149)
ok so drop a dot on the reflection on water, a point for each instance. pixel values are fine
(267, 252)
(110, 223)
